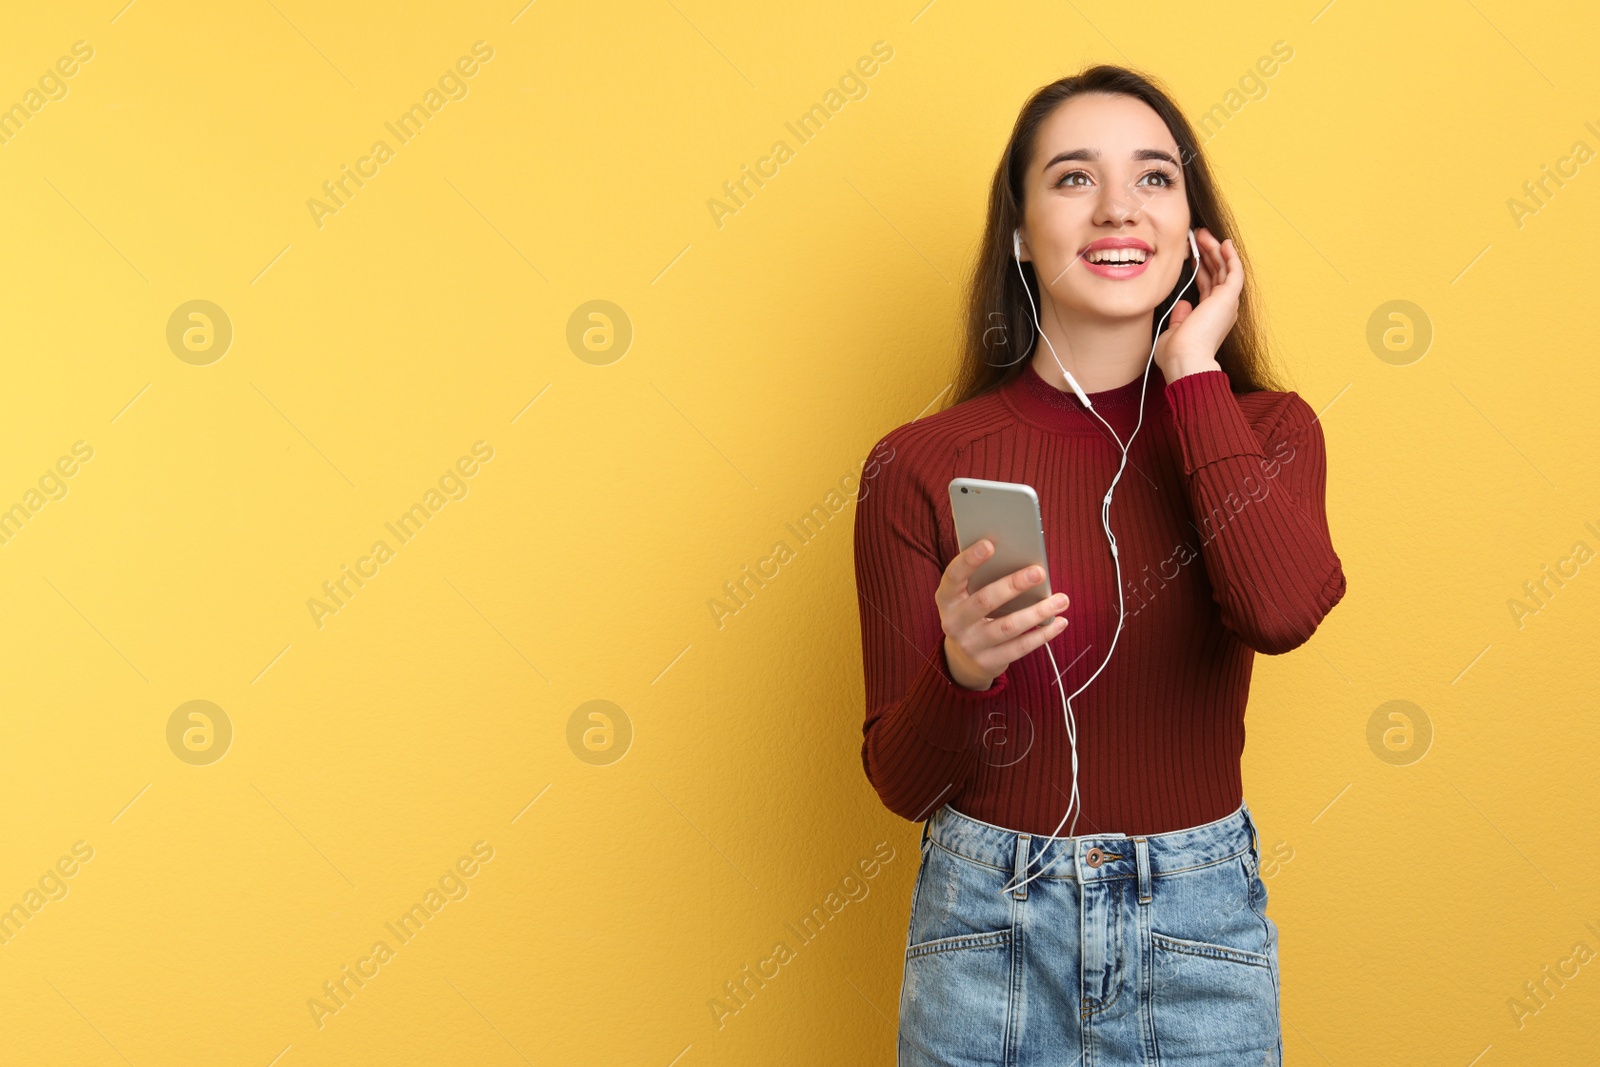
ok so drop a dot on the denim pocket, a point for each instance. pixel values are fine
(1208, 950)
(998, 939)
(1212, 1004)
(957, 904)
(1214, 993)
(955, 1000)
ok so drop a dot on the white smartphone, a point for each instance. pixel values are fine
(1007, 513)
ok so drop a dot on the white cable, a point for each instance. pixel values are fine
(1105, 521)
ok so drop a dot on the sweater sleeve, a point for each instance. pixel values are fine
(1258, 499)
(918, 745)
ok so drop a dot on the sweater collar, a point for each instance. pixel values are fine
(1060, 409)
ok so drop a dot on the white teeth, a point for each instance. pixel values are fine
(1117, 255)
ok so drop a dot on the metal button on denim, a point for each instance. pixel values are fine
(1094, 857)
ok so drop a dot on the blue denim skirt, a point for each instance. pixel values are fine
(1127, 950)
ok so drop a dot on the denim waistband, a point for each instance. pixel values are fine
(1095, 856)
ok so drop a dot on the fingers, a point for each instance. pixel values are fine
(961, 609)
(1203, 240)
(993, 644)
(1226, 268)
(1220, 263)
(998, 592)
(1216, 254)
(1235, 266)
(1023, 620)
(1016, 648)
(953, 586)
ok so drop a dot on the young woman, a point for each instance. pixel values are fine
(1099, 353)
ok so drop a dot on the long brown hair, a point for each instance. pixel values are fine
(999, 320)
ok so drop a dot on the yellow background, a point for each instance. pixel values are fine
(768, 354)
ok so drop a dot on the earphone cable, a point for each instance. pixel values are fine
(1073, 799)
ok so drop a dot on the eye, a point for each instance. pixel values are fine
(1168, 179)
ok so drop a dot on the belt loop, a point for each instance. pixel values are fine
(1250, 827)
(1141, 849)
(1020, 867)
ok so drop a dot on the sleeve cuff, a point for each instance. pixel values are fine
(948, 714)
(1210, 424)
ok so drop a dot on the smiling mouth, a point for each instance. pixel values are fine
(1116, 257)
(1114, 263)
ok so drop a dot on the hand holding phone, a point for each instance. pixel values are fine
(991, 621)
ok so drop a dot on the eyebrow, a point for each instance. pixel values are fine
(1092, 155)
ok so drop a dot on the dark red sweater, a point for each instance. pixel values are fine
(1225, 552)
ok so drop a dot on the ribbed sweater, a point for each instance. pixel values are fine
(1222, 532)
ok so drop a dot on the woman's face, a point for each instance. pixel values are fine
(1105, 170)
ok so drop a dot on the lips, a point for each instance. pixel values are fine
(1117, 271)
